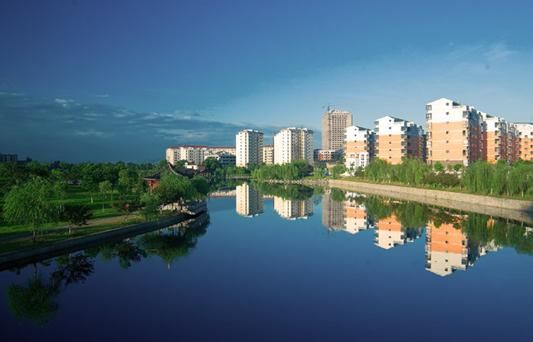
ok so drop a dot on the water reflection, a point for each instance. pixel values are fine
(453, 241)
(36, 300)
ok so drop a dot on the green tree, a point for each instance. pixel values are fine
(337, 170)
(173, 188)
(76, 215)
(34, 302)
(438, 166)
(151, 204)
(106, 188)
(31, 204)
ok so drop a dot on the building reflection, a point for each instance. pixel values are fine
(291, 209)
(356, 217)
(389, 232)
(248, 201)
(446, 248)
(332, 212)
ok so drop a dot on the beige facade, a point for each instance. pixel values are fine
(292, 144)
(454, 133)
(359, 147)
(334, 123)
(397, 139)
(389, 232)
(249, 148)
(355, 217)
(494, 138)
(525, 140)
(268, 154)
(195, 154)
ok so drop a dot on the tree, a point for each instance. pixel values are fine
(106, 188)
(32, 204)
(151, 204)
(76, 215)
(173, 188)
(211, 164)
(337, 170)
(201, 185)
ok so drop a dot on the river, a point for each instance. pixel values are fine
(284, 263)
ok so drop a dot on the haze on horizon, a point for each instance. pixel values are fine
(122, 80)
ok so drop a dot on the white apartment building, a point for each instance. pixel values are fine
(194, 154)
(525, 140)
(454, 133)
(249, 147)
(358, 147)
(291, 144)
(224, 158)
(397, 138)
(268, 154)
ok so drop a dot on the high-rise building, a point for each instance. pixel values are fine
(494, 138)
(454, 133)
(334, 123)
(268, 154)
(446, 249)
(525, 140)
(293, 209)
(248, 201)
(291, 144)
(397, 139)
(320, 155)
(359, 147)
(249, 148)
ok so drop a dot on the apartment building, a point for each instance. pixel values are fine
(248, 201)
(321, 155)
(195, 154)
(291, 144)
(525, 140)
(397, 139)
(494, 138)
(268, 154)
(224, 158)
(359, 147)
(513, 143)
(334, 123)
(454, 133)
(249, 147)
(446, 249)
(293, 209)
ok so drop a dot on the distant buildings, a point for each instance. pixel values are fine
(332, 212)
(320, 155)
(249, 148)
(291, 144)
(397, 139)
(525, 140)
(8, 158)
(248, 201)
(195, 154)
(454, 133)
(359, 147)
(224, 158)
(268, 154)
(334, 123)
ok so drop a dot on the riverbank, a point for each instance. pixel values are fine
(519, 210)
(14, 259)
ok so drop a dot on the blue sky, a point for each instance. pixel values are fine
(197, 71)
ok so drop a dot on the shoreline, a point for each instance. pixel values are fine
(23, 257)
(518, 210)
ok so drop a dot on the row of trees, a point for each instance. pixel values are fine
(480, 177)
(291, 171)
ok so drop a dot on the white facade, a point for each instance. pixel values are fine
(225, 159)
(268, 154)
(291, 144)
(358, 147)
(194, 154)
(249, 148)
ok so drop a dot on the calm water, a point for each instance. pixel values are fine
(311, 267)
